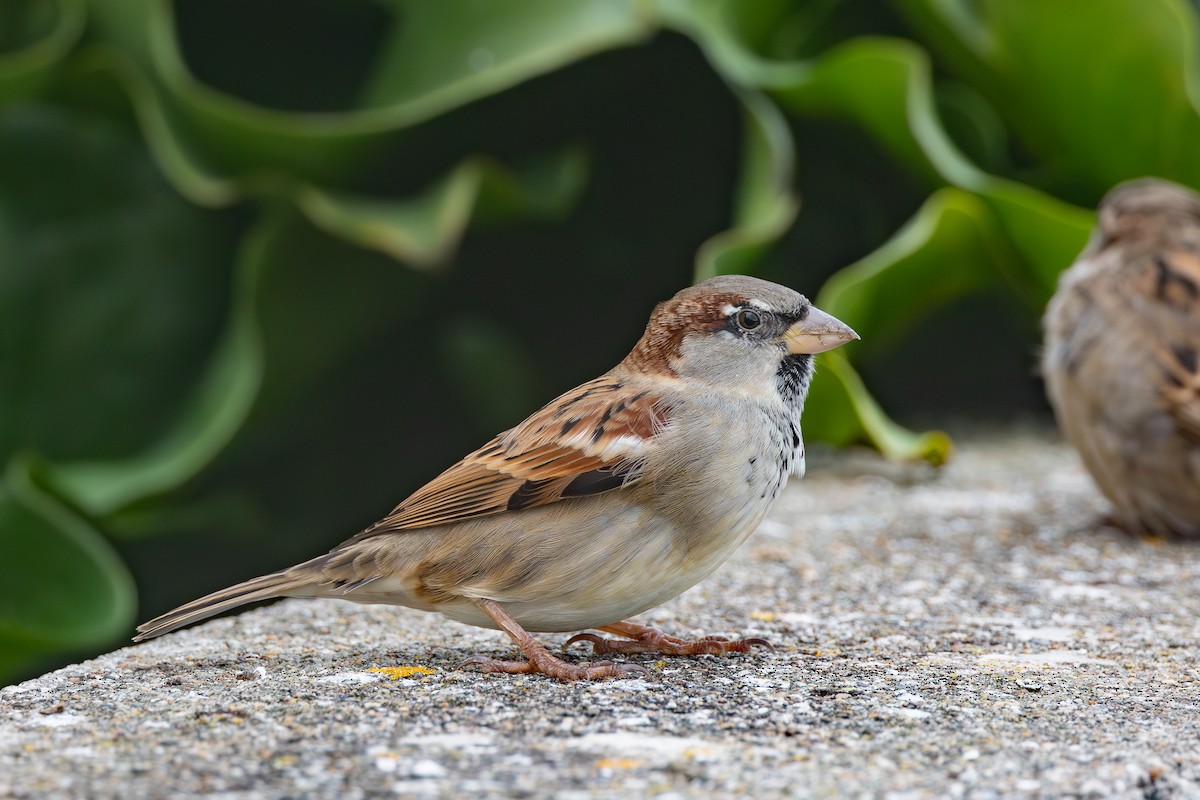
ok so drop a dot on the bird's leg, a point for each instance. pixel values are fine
(539, 657)
(652, 640)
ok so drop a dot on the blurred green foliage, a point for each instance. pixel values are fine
(266, 265)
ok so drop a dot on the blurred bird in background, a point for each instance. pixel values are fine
(1122, 336)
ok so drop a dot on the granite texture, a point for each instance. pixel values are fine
(973, 632)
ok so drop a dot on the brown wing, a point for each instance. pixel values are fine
(1175, 279)
(590, 440)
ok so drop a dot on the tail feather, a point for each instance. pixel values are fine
(265, 587)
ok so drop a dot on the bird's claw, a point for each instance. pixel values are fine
(758, 642)
(655, 641)
(599, 643)
(557, 668)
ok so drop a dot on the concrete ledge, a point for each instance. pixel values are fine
(972, 633)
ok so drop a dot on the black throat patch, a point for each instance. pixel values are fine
(792, 377)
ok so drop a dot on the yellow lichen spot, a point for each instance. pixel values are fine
(659, 664)
(834, 653)
(618, 763)
(396, 673)
(763, 616)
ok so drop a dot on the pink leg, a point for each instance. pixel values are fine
(652, 640)
(540, 659)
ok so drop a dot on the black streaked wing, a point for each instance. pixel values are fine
(1176, 285)
(592, 439)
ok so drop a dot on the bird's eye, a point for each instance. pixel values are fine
(748, 320)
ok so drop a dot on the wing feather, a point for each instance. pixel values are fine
(1176, 286)
(590, 440)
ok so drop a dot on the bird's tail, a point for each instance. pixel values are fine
(265, 587)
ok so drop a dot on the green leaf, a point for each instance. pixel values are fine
(61, 584)
(424, 230)
(293, 316)
(764, 205)
(168, 144)
(213, 414)
(1091, 121)
(726, 30)
(974, 125)
(1045, 232)
(842, 411)
(108, 293)
(480, 49)
(884, 85)
(884, 295)
(35, 37)
(876, 83)
(420, 231)
(302, 303)
(546, 186)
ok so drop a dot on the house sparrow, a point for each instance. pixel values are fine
(1120, 360)
(614, 498)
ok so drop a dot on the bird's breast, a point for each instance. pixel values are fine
(725, 474)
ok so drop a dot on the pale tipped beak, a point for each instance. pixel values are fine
(816, 333)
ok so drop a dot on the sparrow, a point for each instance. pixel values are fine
(612, 499)
(1122, 334)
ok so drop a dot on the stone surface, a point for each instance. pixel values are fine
(973, 632)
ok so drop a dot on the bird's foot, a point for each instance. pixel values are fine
(557, 668)
(540, 661)
(652, 640)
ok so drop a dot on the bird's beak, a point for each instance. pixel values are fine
(816, 333)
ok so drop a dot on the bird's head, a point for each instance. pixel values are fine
(737, 331)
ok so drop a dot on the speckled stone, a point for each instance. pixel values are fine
(968, 633)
